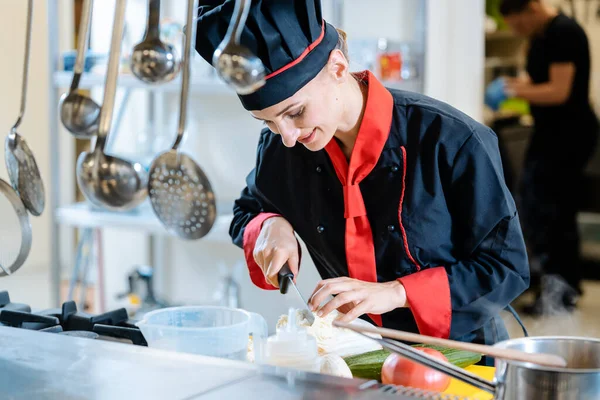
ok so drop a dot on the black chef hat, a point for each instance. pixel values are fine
(289, 36)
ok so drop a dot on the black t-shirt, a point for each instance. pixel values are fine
(563, 41)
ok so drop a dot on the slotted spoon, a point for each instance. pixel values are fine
(22, 169)
(180, 193)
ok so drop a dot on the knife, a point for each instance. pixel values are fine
(286, 279)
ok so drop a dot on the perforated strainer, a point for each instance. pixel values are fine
(20, 162)
(15, 231)
(180, 193)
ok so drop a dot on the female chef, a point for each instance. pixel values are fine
(399, 198)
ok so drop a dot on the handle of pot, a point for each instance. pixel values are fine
(443, 367)
(511, 310)
(259, 331)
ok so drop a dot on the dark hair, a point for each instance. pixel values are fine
(508, 7)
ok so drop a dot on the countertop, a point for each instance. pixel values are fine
(49, 366)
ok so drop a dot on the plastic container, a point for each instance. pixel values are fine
(207, 330)
(292, 347)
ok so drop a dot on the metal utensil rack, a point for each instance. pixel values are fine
(81, 215)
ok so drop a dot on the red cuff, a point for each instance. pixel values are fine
(250, 235)
(428, 294)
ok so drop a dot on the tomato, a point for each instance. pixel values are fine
(398, 370)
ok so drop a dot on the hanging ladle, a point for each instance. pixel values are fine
(180, 193)
(107, 181)
(235, 63)
(152, 60)
(78, 112)
(22, 169)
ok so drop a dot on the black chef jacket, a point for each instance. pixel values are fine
(441, 218)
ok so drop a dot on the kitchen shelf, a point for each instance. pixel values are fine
(62, 79)
(83, 215)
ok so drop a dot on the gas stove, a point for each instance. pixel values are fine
(67, 320)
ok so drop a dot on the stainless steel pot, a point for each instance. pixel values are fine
(514, 380)
(579, 381)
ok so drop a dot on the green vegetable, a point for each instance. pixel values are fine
(460, 358)
(368, 365)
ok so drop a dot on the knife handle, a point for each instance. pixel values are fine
(284, 273)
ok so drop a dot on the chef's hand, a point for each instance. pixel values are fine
(275, 245)
(355, 297)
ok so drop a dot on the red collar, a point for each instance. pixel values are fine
(372, 134)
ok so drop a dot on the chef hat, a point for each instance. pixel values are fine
(289, 36)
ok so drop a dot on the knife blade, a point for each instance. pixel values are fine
(286, 280)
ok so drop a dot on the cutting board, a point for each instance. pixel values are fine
(458, 388)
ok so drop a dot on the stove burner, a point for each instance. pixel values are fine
(20, 319)
(5, 304)
(133, 334)
(70, 322)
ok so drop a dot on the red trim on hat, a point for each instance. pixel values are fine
(301, 57)
(404, 238)
(433, 317)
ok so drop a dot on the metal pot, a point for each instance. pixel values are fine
(514, 380)
(580, 380)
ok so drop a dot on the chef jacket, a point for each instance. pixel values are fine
(422, 200)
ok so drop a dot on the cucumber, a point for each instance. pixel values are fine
(368, 365)
(460, 358)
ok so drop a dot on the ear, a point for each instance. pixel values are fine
(337, 66)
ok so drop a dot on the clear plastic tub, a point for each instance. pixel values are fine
(211, 331)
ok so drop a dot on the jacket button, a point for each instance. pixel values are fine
(391, 228)
(318, 169)
(394, 168)
(320, 229)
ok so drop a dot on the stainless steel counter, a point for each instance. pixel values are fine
(48, 366)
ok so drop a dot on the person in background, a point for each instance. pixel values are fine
(399, 198)
(564, 138)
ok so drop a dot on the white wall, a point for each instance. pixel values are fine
(455, 54)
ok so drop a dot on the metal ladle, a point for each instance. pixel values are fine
(22, 169)
(235, 63)
(107, 181)
(79, 113)
(152, 60)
